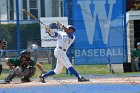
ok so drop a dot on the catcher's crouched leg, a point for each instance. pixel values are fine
(31, 71)
(9, 78)
(0, 69)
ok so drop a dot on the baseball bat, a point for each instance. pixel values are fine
(32, 16)
(110, 66)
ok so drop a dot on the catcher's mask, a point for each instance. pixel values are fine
(72, 27)
(25, 54)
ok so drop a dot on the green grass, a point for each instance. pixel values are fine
(92, 69)
(81, 69)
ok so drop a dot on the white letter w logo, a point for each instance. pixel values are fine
(100, 12)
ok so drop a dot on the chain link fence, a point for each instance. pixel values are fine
(22, 32)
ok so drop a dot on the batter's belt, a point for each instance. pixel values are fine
(62, 48)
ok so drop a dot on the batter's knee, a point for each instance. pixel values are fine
(57, 71)
(56, 54)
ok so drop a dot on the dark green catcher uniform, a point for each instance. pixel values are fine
(135, 53)
(17, 62)
(25, 70)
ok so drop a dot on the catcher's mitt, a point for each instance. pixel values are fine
(24, 64)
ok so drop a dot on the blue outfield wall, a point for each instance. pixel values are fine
(100, 33)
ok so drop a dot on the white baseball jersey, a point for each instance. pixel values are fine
(64, 40)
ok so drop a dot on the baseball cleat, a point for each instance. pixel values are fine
(82, 79)
(42, 79)
(23, 80)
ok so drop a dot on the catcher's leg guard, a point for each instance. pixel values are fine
(0, 69)
(10, 76)
(30, 74)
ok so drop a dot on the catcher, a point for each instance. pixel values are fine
(23, 67)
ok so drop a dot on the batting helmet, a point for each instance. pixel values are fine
(70, 26)
(54, 26)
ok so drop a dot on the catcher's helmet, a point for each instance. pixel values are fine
(70, 26)
(24, 53)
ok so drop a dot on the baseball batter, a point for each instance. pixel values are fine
(64, 40)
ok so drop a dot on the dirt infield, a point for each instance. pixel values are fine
(53, 82)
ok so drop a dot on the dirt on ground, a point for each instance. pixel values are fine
(53, 82)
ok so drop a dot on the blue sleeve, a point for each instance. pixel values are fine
(70, 35)
(54, 35)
